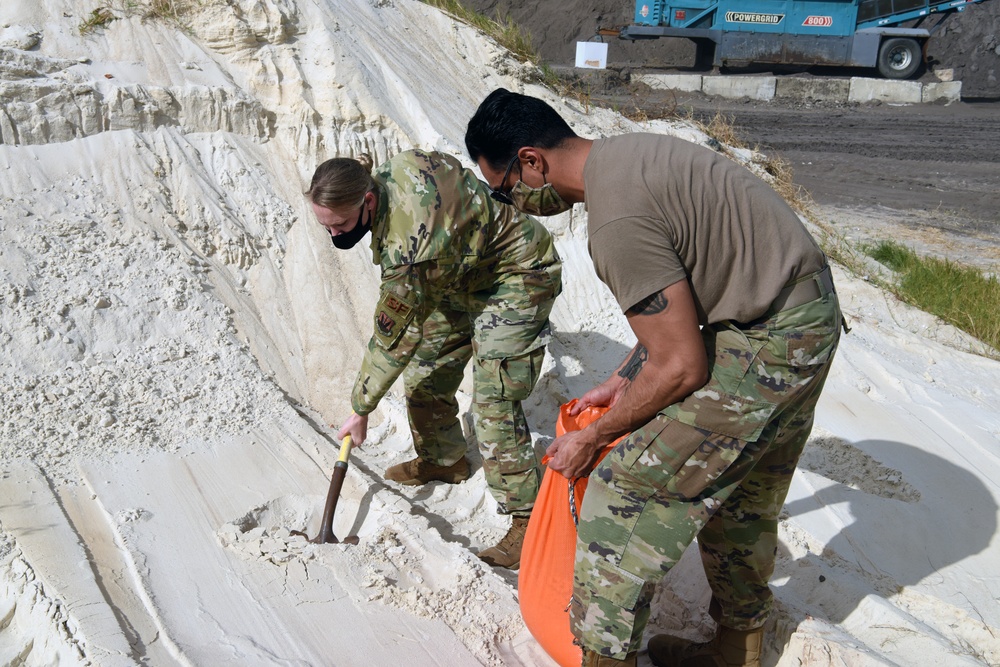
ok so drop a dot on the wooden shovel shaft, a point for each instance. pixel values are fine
(326, 535)
(336, 482)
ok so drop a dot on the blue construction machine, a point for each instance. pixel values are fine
(851, 33)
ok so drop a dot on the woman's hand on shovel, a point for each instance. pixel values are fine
(357, 427)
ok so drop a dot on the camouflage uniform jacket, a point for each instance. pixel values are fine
(438, 235)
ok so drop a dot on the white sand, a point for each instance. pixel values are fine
(176, 332)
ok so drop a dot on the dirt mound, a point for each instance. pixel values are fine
(556, 27)
(968, 43)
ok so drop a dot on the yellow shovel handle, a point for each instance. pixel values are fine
(345, 449)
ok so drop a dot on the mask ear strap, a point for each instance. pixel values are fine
(506, 173)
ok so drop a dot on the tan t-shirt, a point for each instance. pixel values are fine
(662, 209)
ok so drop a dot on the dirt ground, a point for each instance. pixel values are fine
(924, 174)
(928, 175)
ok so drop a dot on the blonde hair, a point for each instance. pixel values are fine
(342, 182)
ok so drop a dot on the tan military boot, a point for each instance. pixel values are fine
(730, 648)
(507, 552)
(419, 471)
(595, 659)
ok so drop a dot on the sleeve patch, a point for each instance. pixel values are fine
(392, 315)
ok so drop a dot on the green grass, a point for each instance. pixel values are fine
(960, 295)
(98, 18)
(167, 10)
(501, 28)
(164, 10)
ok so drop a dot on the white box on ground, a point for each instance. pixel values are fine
(592, 55)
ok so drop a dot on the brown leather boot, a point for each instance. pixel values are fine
(419, 471)
(507, 552)
(595, 659)
(730, 648)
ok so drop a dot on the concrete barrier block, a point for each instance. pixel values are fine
(825, 90)
(950, 91)
(754, 87)
(884, 90)
(689, 83)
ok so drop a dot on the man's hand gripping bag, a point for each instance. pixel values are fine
(545, 579)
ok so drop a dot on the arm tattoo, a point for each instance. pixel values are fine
(651, 305)
(631, 368)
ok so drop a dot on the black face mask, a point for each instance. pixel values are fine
(348, 240)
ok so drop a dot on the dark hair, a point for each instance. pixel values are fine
(506, 121)
(341, 182)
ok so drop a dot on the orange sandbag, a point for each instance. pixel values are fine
(545, 577)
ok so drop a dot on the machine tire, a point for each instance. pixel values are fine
(899, 58)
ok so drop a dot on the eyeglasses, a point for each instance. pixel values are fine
(497, 193)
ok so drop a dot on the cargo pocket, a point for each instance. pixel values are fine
(633, 465)
(507, 378)
(730, 415)
(620, 588)
(499, 386)
(707, 436)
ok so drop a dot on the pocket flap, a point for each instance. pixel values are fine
(617, 586)
(725, 414)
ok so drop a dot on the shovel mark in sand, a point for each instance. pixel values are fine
(265, 532)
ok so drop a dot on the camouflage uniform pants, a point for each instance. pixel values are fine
(715, 466)
(503, 331)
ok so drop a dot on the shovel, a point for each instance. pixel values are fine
(326, 535)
